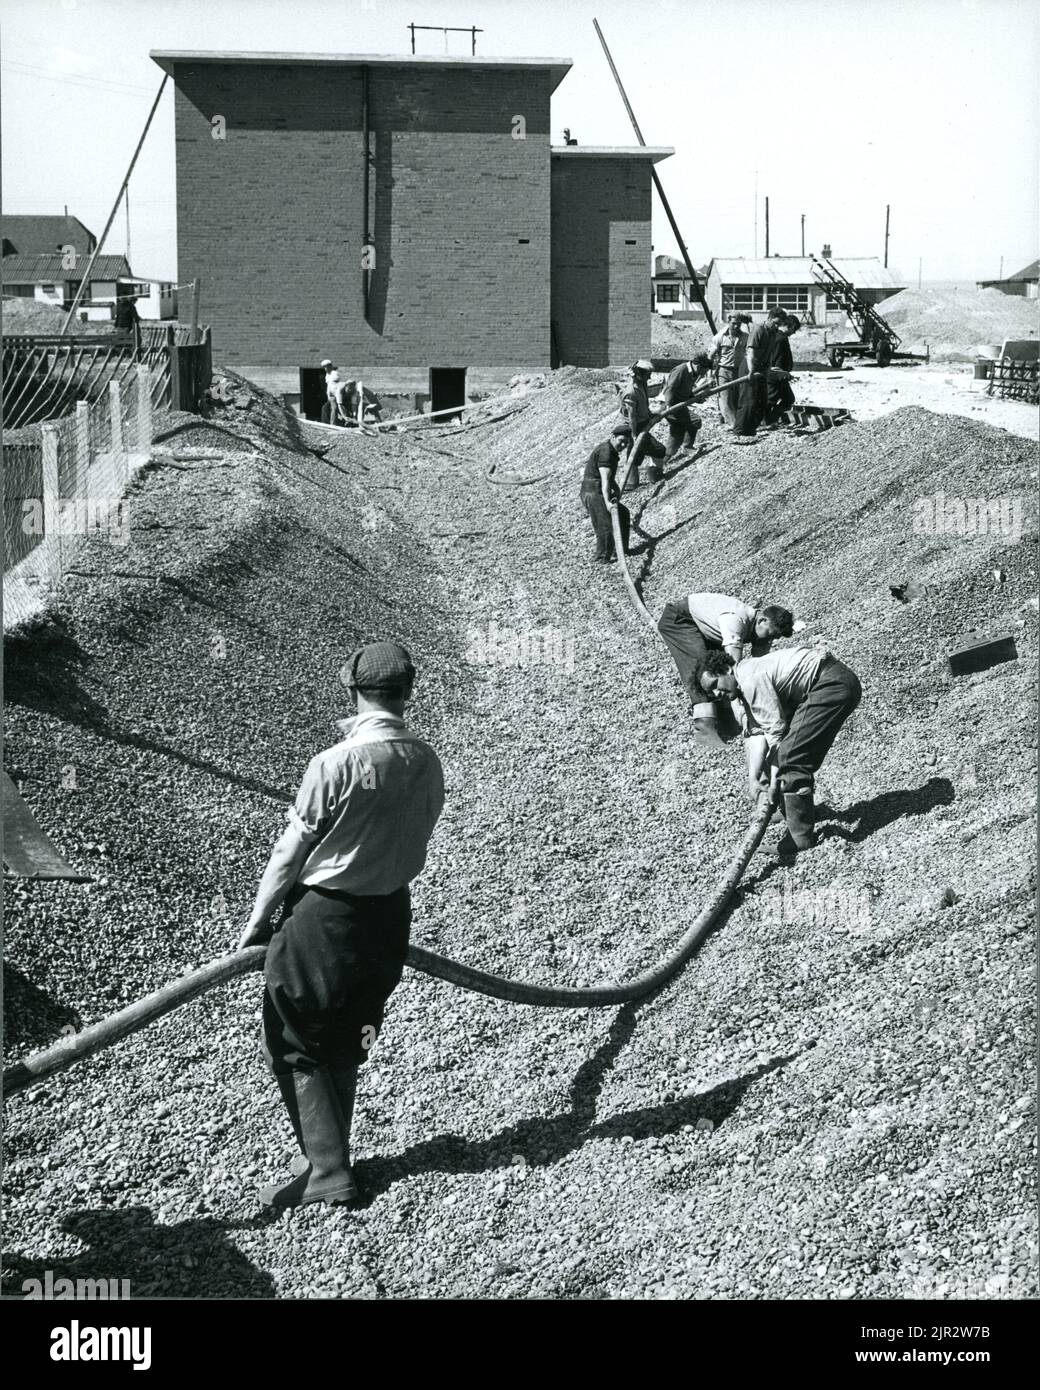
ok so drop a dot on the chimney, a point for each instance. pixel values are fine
(826, 252)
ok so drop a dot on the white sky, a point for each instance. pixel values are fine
(841, 106)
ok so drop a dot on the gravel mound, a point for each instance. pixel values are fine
(671, 337)
(955, 322)
(833, 1100)
(22, 315)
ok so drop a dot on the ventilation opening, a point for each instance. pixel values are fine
(447, 390)
(630, 241)
(525, 241)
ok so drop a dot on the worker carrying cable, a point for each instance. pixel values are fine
(680, 390)
(779, 396)
(599, 490)
(357, 836)
(795, 702)
(700, 623)
(639, 418)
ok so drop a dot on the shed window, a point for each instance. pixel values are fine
(756, 298)
(668, 294)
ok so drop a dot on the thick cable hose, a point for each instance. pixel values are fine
(74, 1048)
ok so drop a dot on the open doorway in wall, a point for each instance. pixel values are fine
(447, 389)
(312, 392)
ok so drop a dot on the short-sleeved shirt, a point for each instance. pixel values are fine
(723, 619)
(603, 456)
(775, 685)
(635, 407)
(760, 342)
(731, 351)
(368, 806)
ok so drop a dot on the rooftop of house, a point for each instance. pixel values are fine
(655, 153)
(168, 58)
(34, 270)
(31, 235)
(865, 272)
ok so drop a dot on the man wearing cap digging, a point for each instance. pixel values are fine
(636, 420)
(357, 836)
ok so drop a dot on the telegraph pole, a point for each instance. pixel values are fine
(803, 233)
(887, 209)
(767, 227)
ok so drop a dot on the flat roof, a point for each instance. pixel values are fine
(167, 57)
(655, 153)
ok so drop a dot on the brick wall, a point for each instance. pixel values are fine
(600, 278)
(271, 218)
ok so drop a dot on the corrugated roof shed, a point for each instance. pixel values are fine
(865, 272)
(35, 236)
(1030, 272)
(34, 270)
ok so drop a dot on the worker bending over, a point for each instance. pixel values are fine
(357, 836)
(694, 626)
(599, 490)
(796, 701)
(679, 389)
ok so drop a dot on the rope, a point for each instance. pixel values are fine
(67, 1051)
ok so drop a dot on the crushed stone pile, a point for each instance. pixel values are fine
(835, 1099)
(670, 337)
(21, 315)
(955, 322)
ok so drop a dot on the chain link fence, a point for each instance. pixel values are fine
(64, 485)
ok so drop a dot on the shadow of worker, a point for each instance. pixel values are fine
(868, 817)
(191, 1259)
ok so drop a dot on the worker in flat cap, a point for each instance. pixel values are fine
(599, 491)
(357, 835)
(637, 420)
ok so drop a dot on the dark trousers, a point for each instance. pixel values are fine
(646, 446)
(754, 401)
(687, 644)
(326, 414)
(682, 429)
(592, 501)
(332, 964)
(779, 400)
(815, 725)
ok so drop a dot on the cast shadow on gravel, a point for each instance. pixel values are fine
(126, 1243)
(544, 1141)
(32, 1018)
(868, 817)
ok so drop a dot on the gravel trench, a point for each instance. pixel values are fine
(834, 1100)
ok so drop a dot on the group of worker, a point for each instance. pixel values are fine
(357, 835)
(347, 402)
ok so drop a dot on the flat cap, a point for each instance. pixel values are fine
(378, 666)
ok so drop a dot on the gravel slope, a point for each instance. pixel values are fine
(834, 1099)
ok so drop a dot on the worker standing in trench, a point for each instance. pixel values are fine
(599, 490)
(357, 836)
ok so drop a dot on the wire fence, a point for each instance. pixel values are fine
(64, 487)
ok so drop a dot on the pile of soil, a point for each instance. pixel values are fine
(955, 322)
(835, 1098)
(671, 337)
(30, 316)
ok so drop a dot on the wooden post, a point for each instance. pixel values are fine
(51, 535)
(175, 375)
(115, 415)
(361, 402)
(82, 452)
(195, 287)
(144, 409)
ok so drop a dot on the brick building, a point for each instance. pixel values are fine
(462, 241)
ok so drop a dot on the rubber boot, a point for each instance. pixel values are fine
(800, 814)
(328, 1177)
(344, 1081)
(287, 1087)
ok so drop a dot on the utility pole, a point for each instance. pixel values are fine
(887, 208)
(767, 227)
(1001, 275)
(803, 233)
(756, 214)
(919, 272)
